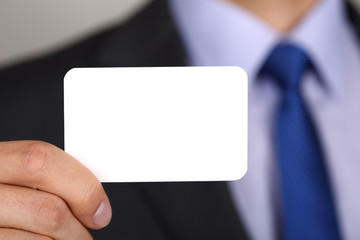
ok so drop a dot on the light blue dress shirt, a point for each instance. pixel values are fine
(218, 33)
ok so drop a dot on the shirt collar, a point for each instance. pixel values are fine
(217, 33)
(322, 33)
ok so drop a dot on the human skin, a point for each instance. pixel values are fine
(282, 15)
(47, 194)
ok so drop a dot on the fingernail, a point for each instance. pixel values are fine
(102, 216)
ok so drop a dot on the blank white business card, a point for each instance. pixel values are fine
(158, 124)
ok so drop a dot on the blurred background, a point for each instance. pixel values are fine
(34, 27)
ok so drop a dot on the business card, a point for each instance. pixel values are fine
(158, 124)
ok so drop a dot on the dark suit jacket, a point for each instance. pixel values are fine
(31, 103)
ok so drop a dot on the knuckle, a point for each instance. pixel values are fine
(35, 157)
(52, 214)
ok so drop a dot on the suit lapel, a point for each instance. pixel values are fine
(354, 18)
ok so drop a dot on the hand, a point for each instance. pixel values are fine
(47, 194)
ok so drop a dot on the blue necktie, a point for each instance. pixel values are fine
(307, 207)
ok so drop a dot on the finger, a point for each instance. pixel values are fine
(15, 234)
(39, 212)
(43, 166)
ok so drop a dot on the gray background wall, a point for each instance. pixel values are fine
(30, 27)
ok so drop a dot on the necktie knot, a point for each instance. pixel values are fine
(286, 64)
